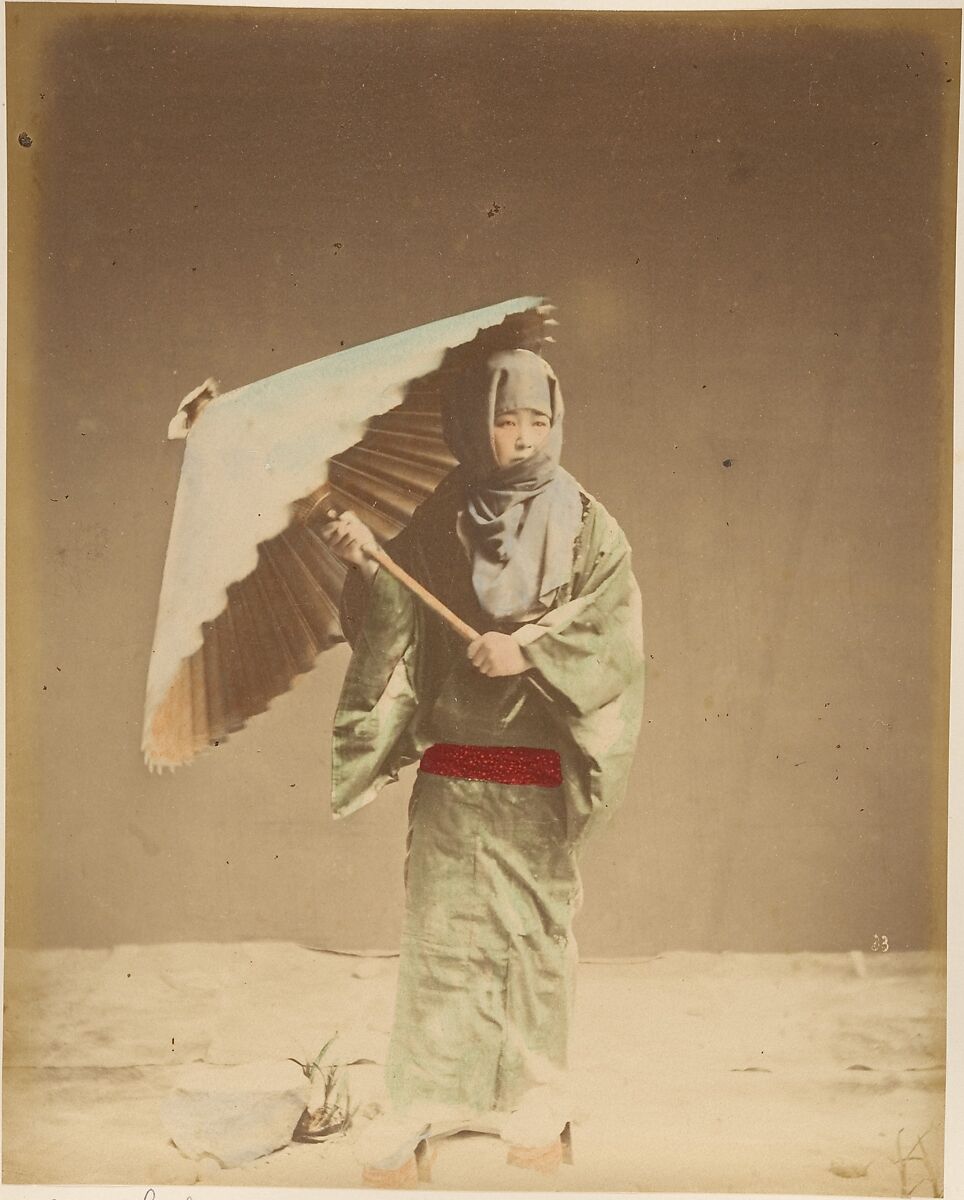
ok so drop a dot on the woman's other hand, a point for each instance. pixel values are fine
(345, 536)
(497, 654)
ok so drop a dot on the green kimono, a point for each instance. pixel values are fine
(488, 958)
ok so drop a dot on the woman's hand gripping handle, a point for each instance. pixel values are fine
(349, 538)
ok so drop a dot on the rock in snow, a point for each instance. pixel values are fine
(235, 1114)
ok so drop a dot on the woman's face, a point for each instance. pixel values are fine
(517, 434)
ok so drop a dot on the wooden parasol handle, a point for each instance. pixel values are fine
(376, 554)
(464, 631)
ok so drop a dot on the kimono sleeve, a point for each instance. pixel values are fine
(590, 649)
(587, 658)
(357, 591)
(354, 605)
(378, 702)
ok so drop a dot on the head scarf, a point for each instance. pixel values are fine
(522, 519)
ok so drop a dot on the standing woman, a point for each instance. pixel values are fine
(524, 739)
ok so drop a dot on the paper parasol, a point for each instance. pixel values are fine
(250, 593)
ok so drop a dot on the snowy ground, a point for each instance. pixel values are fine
(696, 1072)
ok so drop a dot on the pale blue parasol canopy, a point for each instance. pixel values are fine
(250, 592)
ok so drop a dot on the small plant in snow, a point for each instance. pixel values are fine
(931, 1177)
(329, 1110)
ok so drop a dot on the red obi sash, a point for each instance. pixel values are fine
(494, 764)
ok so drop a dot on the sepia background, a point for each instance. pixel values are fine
(746, 221)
